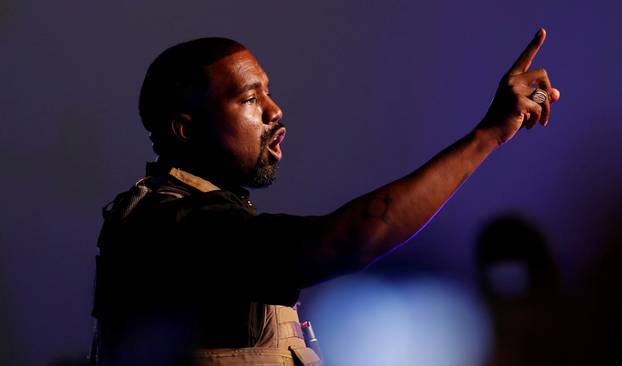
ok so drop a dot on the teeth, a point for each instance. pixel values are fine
(277, 137)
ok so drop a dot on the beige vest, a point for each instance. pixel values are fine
(281, 344)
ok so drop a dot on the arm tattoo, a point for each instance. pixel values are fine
(379, 208)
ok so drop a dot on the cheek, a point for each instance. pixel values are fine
(242, 134)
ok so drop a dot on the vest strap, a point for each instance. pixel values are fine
(290, 329)
(244, 357)
(306, 356)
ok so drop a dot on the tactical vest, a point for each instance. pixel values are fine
(281, 341)
(281, 344)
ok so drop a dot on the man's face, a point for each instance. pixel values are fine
(243, 120)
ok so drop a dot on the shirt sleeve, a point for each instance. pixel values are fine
(264, 255)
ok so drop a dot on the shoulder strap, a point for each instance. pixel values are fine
(193, 181)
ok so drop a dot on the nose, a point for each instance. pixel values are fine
(272, 111)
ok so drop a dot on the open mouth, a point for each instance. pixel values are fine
(274, 147)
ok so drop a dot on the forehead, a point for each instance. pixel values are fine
(231, 74)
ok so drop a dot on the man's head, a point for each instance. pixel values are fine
(207, 105)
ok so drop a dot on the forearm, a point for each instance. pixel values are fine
(377, 222)
(372, 225)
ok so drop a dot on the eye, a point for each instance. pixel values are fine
(250, 100)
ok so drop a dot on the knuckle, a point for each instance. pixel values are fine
(545, 77)
(539, 109)
(510, 79)
(519, 109)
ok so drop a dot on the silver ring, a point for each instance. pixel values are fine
(539, 96)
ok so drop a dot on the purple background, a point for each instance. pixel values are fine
(370, 90)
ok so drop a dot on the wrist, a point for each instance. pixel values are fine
(485, 139)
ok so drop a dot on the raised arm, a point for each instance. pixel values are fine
(374, 224)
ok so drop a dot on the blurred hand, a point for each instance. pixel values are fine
(511, 107)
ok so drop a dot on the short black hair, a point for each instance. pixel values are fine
(172, 77)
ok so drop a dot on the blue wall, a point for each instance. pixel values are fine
(370, 91)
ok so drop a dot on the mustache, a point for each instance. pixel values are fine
(267, 135)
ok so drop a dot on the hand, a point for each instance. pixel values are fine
(511, 107)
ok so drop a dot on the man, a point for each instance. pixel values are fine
(188, 273)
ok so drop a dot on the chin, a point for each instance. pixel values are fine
(262, 176)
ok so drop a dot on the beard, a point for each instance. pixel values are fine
(264, 171)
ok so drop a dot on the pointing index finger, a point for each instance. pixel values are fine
(524, 60)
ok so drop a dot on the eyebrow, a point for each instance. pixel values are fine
(247, 87)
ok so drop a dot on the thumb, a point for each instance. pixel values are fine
(554, 94)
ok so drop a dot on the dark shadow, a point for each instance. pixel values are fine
(600, 313)
(72, 361)
(7, 334)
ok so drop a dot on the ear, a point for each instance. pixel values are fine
(181, 126)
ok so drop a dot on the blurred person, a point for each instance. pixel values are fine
(514, 261)
(189, 273)
(520, 282)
